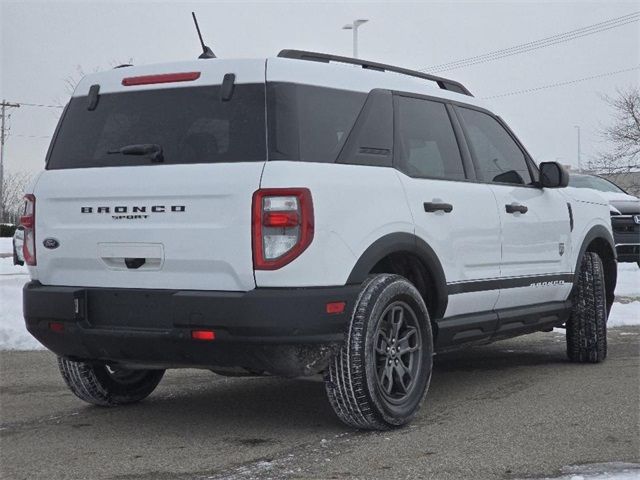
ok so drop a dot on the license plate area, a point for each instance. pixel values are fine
(131, 309)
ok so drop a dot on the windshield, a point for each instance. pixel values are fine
(597, 183)
(190, 125)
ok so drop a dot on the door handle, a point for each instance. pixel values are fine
(438, 207)
(516, 208)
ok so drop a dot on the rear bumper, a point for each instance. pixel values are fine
(281, 331)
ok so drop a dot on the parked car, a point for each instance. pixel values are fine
(625, 214)
(18, 240)
(297, 215)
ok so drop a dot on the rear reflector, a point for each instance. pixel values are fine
(203, 334)
(56, 327)
(336, 307)
(162, 78)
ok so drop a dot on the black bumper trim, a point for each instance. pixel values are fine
(153, 327)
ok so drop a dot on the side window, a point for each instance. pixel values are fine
(426, 145)
(498, 156)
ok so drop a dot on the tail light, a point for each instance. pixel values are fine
(282, 226)
(28, 221)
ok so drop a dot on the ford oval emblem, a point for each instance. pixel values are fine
(50, 243)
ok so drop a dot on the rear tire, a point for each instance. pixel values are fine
(587, 326)
(107, 387)
(381, 374)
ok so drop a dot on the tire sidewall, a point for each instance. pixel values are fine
(397, 288)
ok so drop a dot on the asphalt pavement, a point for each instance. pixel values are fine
(513, 409)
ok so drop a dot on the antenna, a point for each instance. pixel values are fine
(206, 51)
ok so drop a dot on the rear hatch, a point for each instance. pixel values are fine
(149, 183)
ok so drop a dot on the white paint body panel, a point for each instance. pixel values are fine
(206, 247)
(531, 243)
(466, 240)
(353, 207)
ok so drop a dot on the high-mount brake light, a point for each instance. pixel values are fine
(28, 221)
(160, 78)
(282, 226)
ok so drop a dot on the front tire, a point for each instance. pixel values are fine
(587, 326)
(105, 386)
(381, 374)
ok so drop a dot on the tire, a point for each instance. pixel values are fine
(364, 389)
(587, 325)
(106, 387)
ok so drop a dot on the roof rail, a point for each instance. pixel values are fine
(443, 83)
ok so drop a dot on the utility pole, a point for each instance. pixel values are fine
(354, 26)
(577, 127)
(3, 135)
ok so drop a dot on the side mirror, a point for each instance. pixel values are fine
(553, 175)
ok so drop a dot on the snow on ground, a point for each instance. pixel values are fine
(628, 284)
(601, 471)
(624, 314)
(14, 336)
(6, 245)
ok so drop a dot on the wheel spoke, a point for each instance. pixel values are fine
(382, 342)
(400, 374)
(404, 342)
(388, 375)
(397, 319)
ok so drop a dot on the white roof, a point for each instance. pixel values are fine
(332, 75)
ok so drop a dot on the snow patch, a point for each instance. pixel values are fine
(13, 333)
(628, 284)
(6, 245)
(624, 314)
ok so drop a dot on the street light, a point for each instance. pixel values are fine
(577, 127)
(354, 26)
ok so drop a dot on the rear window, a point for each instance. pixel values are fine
(309, 123)
(192, 125)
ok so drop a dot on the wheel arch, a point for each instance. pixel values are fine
(384, 254)
(599, 240)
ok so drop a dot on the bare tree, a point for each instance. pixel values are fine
(13, 185)
(622, 160)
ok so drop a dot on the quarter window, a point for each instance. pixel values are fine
(426, 143)
(497, 155)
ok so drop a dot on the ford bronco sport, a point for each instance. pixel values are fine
(298, 215)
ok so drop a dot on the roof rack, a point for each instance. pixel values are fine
(443, 83)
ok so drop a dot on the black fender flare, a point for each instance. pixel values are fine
(403, 242)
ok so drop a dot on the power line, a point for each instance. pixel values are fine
(40, 105)
(560, 84)
(537, 44)
(30, 136)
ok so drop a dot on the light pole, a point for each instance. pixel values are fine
(354, 26)
(577, 127)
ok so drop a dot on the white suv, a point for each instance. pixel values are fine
(298, 215)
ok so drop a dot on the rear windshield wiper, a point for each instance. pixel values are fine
(152, 149)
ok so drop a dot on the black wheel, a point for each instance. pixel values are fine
(106, 386)
(587, 326)
(381, 374)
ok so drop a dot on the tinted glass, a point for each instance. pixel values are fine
(426, 145)
(192, 125)
(498, 156)
(597, 183)
(308, 123)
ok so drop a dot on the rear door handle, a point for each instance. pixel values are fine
(438, 207)
(516, 208)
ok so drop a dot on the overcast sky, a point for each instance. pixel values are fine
(44, 43)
